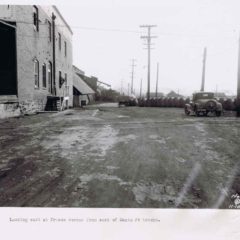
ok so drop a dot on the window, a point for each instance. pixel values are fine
(44, 76)
(35, 18)
(65, 48)
(65, 79)
(59, 41)
(50, 78)
(60, 79)
(36, 73)
(49, 31)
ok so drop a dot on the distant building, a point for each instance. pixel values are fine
(220, 95)
(83, 94)
(173, 94)
(91, 82)
(159, 94)
(36, 58)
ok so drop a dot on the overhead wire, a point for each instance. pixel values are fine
(107, 30)
(124, 30)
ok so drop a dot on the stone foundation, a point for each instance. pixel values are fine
(31, 107)
(17, 109)
(9, 110)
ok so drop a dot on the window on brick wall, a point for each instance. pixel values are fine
(60, 79)
(49, 31)
(35, 18)
(65, 48)
(50, 87)
(44, 76)
(36, 73)
(59, 41)
(65, 79)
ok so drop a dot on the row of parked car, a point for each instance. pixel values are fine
(201, 103)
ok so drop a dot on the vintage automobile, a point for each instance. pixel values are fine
(128, 101)
(203, 103)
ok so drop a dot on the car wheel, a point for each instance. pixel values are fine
(187, 112)
(218, 113)
(197, 113)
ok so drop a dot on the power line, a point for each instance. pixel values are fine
(177, 34)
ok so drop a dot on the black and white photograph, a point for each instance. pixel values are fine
(120, 105)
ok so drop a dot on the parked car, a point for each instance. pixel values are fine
(128, 101)
(203, 103)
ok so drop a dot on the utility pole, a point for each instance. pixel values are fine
(128, 89)
(132, 73)
(204, 68)
(238, 83)
(156, 95)
(121, 87)
(148, 38)
(141, 88)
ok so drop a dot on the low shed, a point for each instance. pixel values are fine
(82, 93)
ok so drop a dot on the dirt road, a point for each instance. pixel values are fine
(106, 156)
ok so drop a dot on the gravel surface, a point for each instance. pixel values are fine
(105, 156)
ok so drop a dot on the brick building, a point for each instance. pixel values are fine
(36, 58)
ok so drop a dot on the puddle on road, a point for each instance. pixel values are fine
(203, 144)
(87, 141)
(112, 167)
(141, 190)
(127, 138)
(95, 112)
(123, 116)
(101, 177)
(200, 128)
(155, 192)
(157, 139)
(181, 160)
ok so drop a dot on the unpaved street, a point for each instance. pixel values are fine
(119, 157)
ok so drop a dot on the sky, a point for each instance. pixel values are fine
(107, 36)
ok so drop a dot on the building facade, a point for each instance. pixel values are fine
(36, 57)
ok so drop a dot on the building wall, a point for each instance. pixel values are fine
(32, 44)
(63, 63)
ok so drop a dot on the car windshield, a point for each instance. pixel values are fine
(204, 95)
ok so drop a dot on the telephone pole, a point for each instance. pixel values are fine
(148, 38)
(141, 88)
(157, 81)
(121, 87)
(133, 66)
(204, 68)
(238, 83)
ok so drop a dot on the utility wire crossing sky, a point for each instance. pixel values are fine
(106, 38)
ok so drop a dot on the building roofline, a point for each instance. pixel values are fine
(76, 69)
(58, 12)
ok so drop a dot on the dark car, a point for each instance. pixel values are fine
(203, 103)
(128, 101)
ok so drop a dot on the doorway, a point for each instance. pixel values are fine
(8, 59)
